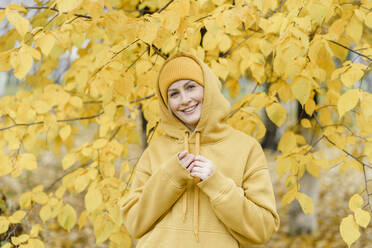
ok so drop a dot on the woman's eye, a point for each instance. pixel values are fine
(173, 94)
(190, 86)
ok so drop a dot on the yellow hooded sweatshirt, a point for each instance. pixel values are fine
(234, 207)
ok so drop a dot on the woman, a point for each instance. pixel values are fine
(202, 184)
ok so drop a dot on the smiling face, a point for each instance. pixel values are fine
(185, 99)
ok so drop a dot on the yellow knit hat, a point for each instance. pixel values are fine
(177, 69)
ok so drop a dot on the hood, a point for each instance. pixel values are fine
(215, 108)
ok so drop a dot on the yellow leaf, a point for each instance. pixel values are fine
(301, 88)
(25, 200)
(65, 132)
(349, 230)
(5, 60)
(67, 217)
(355, 202)
(368, 20)
(68, 5)
(121, 239)
(68, 160)
(40, 197)
(41, 107)
(306, 123)
(27, 161)
(351, 76)
(17, 217)
(149, 31)
(283, 166)
(310, 106)
(277, 113)
(6, 164)
(21, 61)
(99, 143)
(306, 203)
(169, 44)
(347, 101)
(35, 230)
(265, 47)
(317, 12)
(4, 224)
(354, 29)
(93, 199)
(35, 243)
(76, 102)
(103, 227)
(314, 167)
(225, 43)
(83, 219)
(20, 239)
(46, 43)
(45, 213)
(288, 142)
(18, 7)
(362, 217)
(21, 24)
(82, 182)
(289, 196)
(209, 41)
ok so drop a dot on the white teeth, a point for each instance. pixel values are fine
(189, 109)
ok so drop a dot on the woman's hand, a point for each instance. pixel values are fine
(186, 158)
(201, 167)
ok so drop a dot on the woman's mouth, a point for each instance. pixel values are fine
(189, 110)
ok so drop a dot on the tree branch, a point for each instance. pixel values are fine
(346, 152)
(271, 13)
(51, 8)
(135, 61)
(142, 98)
(41, 122)
(351, 50)
(64, 174)
(165, 6)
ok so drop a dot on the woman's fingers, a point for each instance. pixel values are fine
(182, 154)
(195, 163)
(187, 160)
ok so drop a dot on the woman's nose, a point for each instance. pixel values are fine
(185, 98)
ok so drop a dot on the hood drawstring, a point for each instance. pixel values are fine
(196, 188)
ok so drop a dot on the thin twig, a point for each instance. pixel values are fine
(41, 122)
(224, 55)
(201, 18)
(135, 61)
(115, 54)
(115, 133)
(346, 152)
(165, 6)
(142, 98)
(66, 173)
(351, 50)
(38, 31)
(275, 10)
(50, 8)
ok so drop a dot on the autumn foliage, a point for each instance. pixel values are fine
(300, 50)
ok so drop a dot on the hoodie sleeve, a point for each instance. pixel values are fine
(248, 212)
(152, 194)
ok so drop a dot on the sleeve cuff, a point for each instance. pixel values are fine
(216, 185)
(176, 173)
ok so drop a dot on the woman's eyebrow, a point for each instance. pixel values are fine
(172, 90)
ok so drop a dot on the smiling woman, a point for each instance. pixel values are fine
(203, 183)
